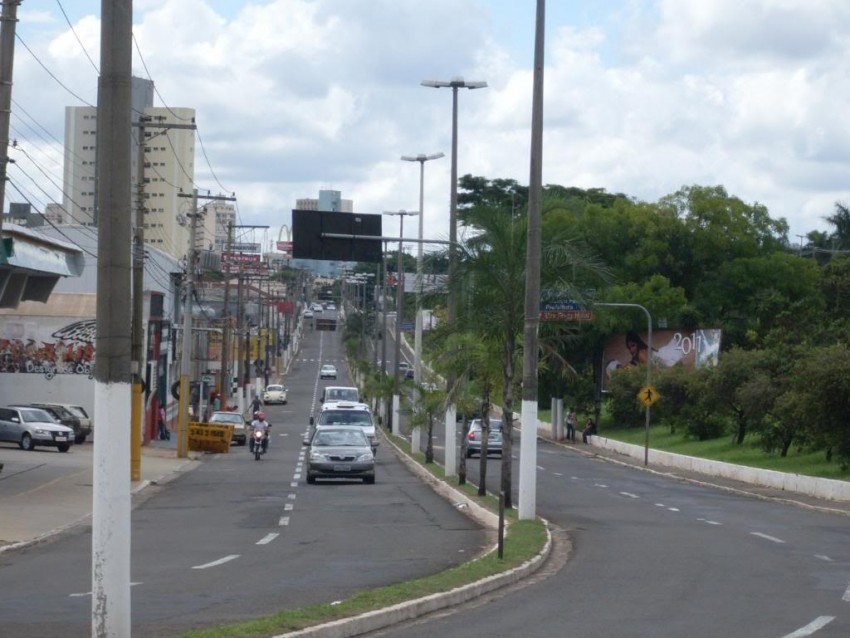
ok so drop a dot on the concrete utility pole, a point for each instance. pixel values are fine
(8, 21)
(224, 375)
(186, 352)
(112, 373)
(528, 441)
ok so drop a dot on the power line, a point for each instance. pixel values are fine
(80, 42)
(50, 73)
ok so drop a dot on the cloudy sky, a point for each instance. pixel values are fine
(641, 97)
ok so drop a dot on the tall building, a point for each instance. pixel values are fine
(328, 201)
(79, 189)
(169, 170)
(222, 214)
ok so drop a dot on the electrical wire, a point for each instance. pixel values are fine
(50, 73)
(80, 42)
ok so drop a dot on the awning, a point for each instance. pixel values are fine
(31, 264)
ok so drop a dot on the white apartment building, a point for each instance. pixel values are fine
(221, 214)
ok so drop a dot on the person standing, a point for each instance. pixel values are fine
(164, 434)
(571, 425)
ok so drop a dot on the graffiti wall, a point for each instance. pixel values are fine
(49, 347)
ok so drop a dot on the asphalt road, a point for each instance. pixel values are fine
(236, 538)
(655, 556)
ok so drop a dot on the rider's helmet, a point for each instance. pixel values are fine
(261, 416)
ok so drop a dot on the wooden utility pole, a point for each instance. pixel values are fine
(112, 374)
(8, 22)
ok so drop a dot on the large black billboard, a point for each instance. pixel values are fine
(309, 226)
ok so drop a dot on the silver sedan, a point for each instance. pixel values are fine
(341, 452)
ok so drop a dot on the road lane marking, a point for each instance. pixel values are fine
(292, 496)
(268, 538)
(557, 473)
(293, 484)
(283, 522)
(296, 476)
(818, 623)
(288, 507)
(708, 522)
(216, 563)
(673, 509)
(600, 485)
(824, 557)
(846, 596)
(629, 494)
(88, 593)
(659, 505)
(772, 539)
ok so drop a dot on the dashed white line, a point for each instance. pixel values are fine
(296, 476)
(291, 496)
(600, 485)
(629, 494)
(708, 522)
(293, 484)
(824, 557)
(772, 539)
(288, 507)
(846, 596)
(557, 473)
(659, 505)
(673, 509)
(268, 538)
(216, 563)
(283, 522)
(818, 623)
(541, 468)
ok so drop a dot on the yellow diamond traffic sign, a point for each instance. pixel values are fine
(648, 395)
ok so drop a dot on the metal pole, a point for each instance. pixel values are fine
(648, 366)
(111, 531)
(399, 300)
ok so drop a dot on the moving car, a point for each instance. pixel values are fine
(274, 394)
(333, 394)
(346, 414)
(403, 367)
(235, 419)
(29, 427)
(331, 306)
(327, 371)
(308, 314)
(494, 441)
(340, 452)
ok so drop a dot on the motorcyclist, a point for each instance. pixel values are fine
(260, 423)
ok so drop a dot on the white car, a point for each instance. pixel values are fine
(29, 427)
(349, 415)
(331, 306)
(327, 371)
(308, 314)
(335, 393)
(274, 394)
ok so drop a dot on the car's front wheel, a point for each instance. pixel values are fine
(369, 480)
(63, 448)
(311, 479)
(27, 443)
(80, 439)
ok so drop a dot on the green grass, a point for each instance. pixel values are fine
(524, 541)
(725, 449)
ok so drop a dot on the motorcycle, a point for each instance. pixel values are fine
(259, 443)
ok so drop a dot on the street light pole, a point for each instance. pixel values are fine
(417, 340)
(398, 305)
(451, 305)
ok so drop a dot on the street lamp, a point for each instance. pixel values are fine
(398, 303)
(454, 84)
(417, 340)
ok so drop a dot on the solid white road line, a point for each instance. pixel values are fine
(268, 538)
(846, 596)
(772, 539)
(629, 494)
(818, 623)
(216, 563)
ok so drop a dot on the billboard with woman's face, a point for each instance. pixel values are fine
(695, 348)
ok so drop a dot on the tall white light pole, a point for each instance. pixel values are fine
(417, 340)
(451, 306)
(399, 300)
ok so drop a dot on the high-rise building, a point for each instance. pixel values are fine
(222, 214)
(169, 170)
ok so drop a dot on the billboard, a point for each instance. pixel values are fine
(310, 241)
(694, 349)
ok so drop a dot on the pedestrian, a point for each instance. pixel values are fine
(164, 434)
(255, 406)
(572, 420)
(589, 430)
(217, 402)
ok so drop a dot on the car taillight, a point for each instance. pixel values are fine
(472, 436)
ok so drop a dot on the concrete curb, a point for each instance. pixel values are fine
(411, 609)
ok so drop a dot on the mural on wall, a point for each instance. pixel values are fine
(34, 348)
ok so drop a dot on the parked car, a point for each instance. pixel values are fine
(308, 314)
(494, 441)
(349, 415)
(327, 371)
(239, 436)
(340, 452)
(64, 416)
(29, 427)
(86, 424)
(331, 306)
(275, 393)
(403, 367)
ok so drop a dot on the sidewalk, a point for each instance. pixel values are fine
(40, 509)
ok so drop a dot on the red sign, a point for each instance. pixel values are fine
(286, 307)
(284, 246)
(235, 258)
(566, 315)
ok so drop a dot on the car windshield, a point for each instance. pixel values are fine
(37, 416)
(77, 410)
(345, 417)
(342, 394)
(226, 417)
(340, 438)
(495, 426)
(274, 388)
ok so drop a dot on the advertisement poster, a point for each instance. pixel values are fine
(47, 348)
(693, 349)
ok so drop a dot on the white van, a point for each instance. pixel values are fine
(333, 394)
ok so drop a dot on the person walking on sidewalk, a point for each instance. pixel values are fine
(164, 434)
(572, 419)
